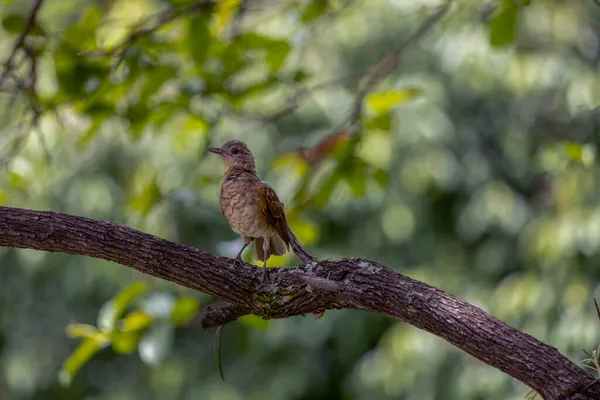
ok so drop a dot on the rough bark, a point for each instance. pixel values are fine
(312, 288)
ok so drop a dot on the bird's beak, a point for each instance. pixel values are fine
(215, 150)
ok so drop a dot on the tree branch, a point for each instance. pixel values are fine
(347, 283)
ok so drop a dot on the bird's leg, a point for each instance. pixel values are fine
(265, 277)
(247, 241)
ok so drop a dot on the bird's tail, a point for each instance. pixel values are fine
(302, 254)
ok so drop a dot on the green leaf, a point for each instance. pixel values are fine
(574, 151)
(155, 78)
(185, 309)
(156, 344)
(137, 114)
(382, 102)
(224, 13)
(135, 321)
(503, 27)
(183, 3)
(13, 23)
(199, 38)
(218, 348)
(254, 321)
(382, 178)
(382, 122)
(98, 108)
(314, 10)
(82, 354)
(277, 50)
(356, 177)
(82, 36)
(114, 309)
(125, 342)
(143, 201)
(89, 134)
(326, 190)
(82, 331)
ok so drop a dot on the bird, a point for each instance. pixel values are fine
(252, 207)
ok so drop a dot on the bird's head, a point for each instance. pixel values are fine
(235, 154)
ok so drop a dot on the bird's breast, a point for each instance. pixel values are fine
(240, 207)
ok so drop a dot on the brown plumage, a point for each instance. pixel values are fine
(252, 207)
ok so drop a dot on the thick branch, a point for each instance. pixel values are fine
(347, 283)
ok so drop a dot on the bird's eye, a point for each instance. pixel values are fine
(235, 151)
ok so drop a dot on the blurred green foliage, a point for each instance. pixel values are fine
(472, 167)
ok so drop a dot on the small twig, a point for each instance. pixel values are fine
(19, 44)
(390, 61)
(162, 19)
(221, 315)
(239, 16)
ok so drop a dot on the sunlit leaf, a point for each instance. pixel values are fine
(574, 151)
(218, 349)
(291, 161)
(307, 231)
(382, 102)
(503, 27)
(82, 331)
(254, 321)
(146, 198)
(82, 354)
(184, 310)
(17, 181)
(225, 12)
(115, 308)
(135, 321)
(125, 342)
(156, 343)
(82, 35)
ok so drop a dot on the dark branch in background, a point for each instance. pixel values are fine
(346, 129)
(317, 286)
(151, 25)
(20, 43)
(390, 61)
(25, 86)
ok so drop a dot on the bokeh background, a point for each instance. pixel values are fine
(472, 166)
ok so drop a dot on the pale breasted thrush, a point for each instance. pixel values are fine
(252, 207)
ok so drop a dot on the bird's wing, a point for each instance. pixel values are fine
(272, 209)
